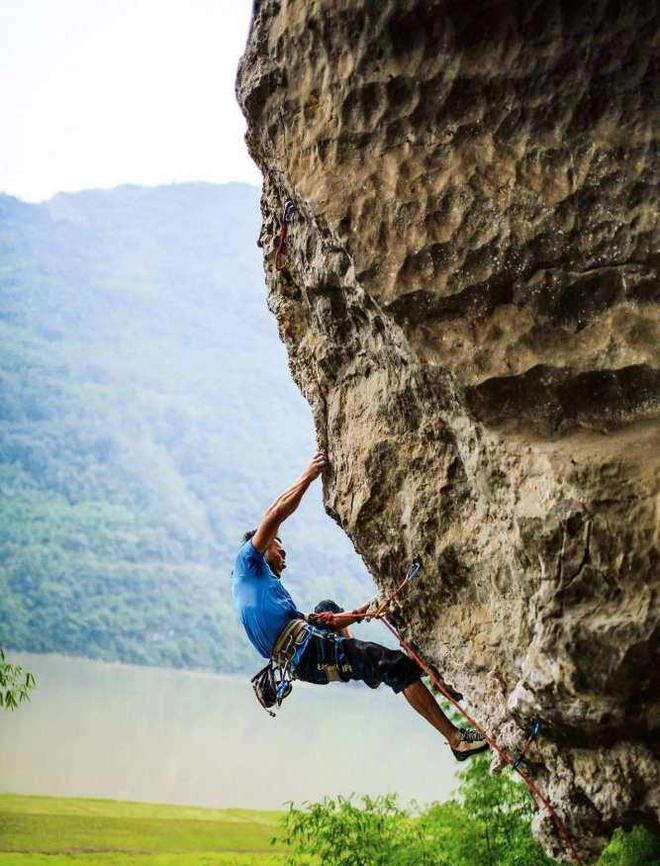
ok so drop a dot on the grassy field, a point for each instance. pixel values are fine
(54, 831)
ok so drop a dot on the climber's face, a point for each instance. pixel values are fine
(275, 556)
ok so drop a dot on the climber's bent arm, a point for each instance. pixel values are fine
(287, 502)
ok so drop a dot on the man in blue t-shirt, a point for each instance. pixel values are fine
(269, 615)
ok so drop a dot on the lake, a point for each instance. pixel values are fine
(94, 729)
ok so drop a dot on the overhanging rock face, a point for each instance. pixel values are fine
(468, 293)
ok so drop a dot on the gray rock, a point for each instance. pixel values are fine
(468, 294)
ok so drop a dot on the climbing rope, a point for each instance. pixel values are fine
(518, 761)
(411, 574)
(533, 789)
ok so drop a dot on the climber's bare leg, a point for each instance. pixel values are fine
(421, 700)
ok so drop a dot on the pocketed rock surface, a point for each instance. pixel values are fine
(468, 294)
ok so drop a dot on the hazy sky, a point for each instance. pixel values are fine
(95, 93)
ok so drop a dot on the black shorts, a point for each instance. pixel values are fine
(329, 657)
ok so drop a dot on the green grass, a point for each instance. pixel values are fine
(223, 858)
(53, 831)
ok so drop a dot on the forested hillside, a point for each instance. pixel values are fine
(146, 420)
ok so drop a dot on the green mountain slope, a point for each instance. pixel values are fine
(146, 420)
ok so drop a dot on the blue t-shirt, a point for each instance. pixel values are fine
(262, 603)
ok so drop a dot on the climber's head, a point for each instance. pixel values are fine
(275, 554)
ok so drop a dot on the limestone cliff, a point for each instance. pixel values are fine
(468, 289)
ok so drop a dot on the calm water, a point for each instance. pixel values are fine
(108, 730)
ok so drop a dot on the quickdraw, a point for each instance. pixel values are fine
(520, 758)
(274, 682)
(411, 574)
(270, 687)
(288, 213)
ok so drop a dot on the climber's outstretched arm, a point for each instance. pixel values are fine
(339, 621)
(287, 502)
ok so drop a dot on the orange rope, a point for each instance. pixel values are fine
(533, 789)
(280, 248)
(380, 610)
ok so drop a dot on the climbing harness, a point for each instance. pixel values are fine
(289, 212)
(274, 682)
(518, 761)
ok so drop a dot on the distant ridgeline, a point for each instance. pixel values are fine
(146, 420)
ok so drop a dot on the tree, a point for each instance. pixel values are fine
(488, 824)
(503, 810)
(637, 847)
(340, 832)
(15, 684)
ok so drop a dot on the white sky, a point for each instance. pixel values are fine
(95, 93)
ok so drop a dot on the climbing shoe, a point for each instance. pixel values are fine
(471, 743)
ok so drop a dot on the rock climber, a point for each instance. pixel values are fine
(318, 648)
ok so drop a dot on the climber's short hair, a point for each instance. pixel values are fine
(249, 535)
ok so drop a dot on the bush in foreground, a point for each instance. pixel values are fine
(488, 823)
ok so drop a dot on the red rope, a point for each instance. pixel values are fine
(533, 789)
(378, 613)
(283, 236)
